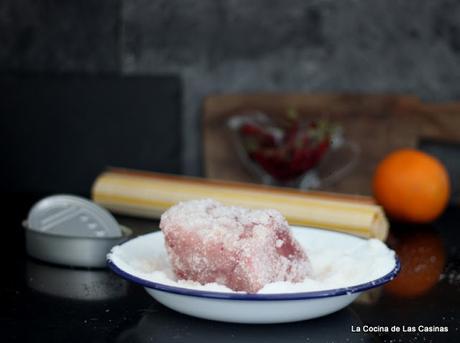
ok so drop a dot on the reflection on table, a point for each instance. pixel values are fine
(422, 255)
(160, 324)
(77, 284)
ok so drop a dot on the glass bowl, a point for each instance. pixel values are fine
(292, 151)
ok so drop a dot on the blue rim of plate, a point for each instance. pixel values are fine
(257, 297)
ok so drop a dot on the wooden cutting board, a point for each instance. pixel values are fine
(378, 123)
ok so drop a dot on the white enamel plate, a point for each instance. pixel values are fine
(267, 307)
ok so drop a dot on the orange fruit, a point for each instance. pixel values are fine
(411, 186)
(422, 257)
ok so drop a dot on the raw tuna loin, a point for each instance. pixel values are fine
(240, 248)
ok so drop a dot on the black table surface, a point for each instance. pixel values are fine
(41, 302)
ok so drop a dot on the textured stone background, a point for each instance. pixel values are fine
(60, 36)
(410, 46)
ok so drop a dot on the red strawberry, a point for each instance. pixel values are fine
(262, 137)
(249, 129)
(301, 148)
(291, 134)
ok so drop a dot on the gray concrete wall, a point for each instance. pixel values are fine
(410, 46)
(60, 36)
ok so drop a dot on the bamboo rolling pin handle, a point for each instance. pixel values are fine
(149, 194)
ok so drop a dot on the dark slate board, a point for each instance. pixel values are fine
(449, 154)
(59, 132)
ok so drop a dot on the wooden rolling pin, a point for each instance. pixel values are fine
(148, 194)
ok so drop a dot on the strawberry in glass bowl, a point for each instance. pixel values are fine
(289, 151)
